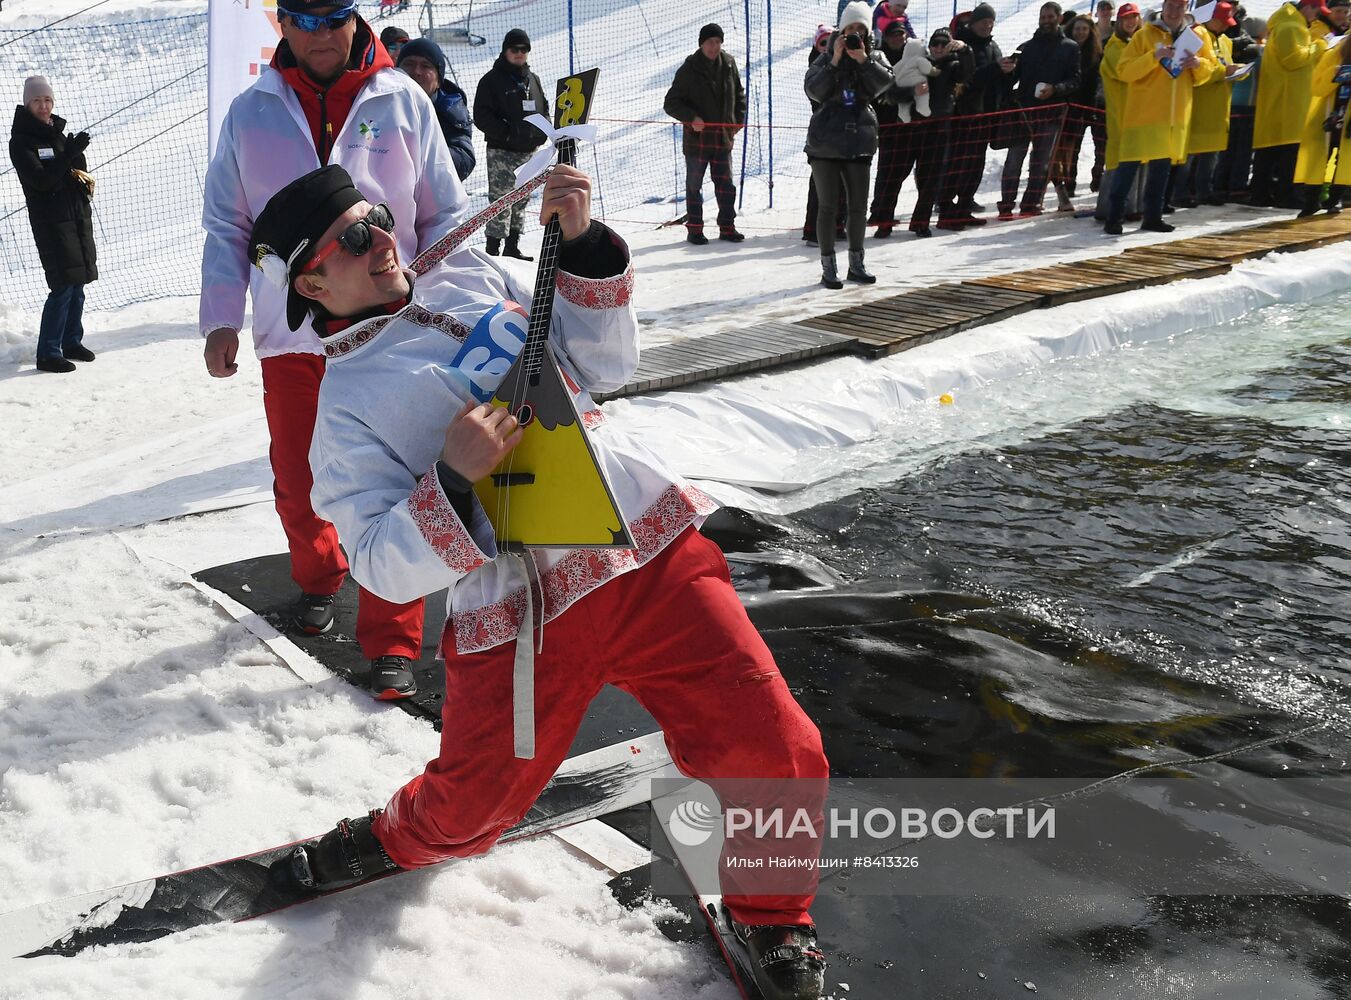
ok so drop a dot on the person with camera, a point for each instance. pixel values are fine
(57, 189)
(842, 135)
(1041, 74)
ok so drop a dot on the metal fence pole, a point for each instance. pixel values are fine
(769, 85)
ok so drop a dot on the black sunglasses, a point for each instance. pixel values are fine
(519, 48)
(356, 239)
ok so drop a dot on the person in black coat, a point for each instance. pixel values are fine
(707, 96)
(423, 60)
(507, 94)
(1041, 78)
(897, 147)
(51, 169)
(973, 126)
(934, 175)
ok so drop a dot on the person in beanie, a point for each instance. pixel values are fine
(396, 448)
(842, 135)
(976, 105)
(393, 39)
(508, 94)
(57, 190)
(331, 95)
(423, 60)
(707, 96)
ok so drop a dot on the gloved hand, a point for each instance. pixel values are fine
(86, 179)
(77, 143)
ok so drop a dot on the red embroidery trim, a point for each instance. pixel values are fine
(583, 570)
(441, 526)
(597, 293)
(591, 419)
(354, 338)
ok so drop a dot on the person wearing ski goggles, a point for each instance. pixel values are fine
(355, 108)
(313, 22)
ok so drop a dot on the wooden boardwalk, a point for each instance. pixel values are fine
(898, 322)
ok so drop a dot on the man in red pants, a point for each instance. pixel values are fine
(331, 95)
(400, 437)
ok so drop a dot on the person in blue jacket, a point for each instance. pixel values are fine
(423, 60)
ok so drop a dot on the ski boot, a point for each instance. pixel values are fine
(788, 963)
(345, 856)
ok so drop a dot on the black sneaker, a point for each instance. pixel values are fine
(392, 678)
(55, 365)
(77, 353)
(1156, 226)
(313, 614)
(788, 963)
(346, 855)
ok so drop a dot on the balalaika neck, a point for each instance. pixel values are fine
(542, 303)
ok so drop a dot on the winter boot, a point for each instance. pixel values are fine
(313, 614)
(830, 276)
(55, 365)
(494, 246)
(513, 248)
(730, 234)
(788, 963)
(1062, 194)
(857, 271)
(392, 678)
(696, 236)
(344, 856)
(77, 353)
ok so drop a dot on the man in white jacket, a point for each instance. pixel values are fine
(401, 436)
(331, 95)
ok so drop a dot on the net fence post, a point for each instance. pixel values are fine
(745, 135)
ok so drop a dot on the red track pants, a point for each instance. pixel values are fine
(318, 566)
(674, 635)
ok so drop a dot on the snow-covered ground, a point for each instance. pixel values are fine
(143, 730)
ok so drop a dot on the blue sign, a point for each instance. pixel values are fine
(490, 349)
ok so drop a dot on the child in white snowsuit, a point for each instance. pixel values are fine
(914, 69)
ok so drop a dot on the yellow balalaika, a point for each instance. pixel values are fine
(550, 491)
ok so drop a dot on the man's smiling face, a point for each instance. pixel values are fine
(346, 284)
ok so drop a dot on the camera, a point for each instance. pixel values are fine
(853, 41)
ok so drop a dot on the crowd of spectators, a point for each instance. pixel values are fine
(1183, 107)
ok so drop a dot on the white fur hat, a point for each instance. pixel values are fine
(857, 12)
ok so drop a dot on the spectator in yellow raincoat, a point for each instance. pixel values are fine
(1127, 23)
(1283, 100)
(1158, 111)
(1209, 133)
(1328, 112)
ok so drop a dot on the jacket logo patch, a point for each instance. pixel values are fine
(369, 130)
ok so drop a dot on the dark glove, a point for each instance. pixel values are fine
(77, 143)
